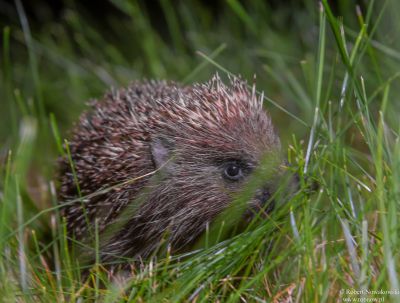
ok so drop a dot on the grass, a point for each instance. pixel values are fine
(331, 87)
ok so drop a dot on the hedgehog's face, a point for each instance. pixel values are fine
(202, 181)
(205, 179)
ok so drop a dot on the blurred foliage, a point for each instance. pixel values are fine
(76, 54)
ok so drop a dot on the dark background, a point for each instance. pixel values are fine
(41, 12)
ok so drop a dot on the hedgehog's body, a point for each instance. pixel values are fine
(163, 159)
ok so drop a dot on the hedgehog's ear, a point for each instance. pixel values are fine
(161, 151)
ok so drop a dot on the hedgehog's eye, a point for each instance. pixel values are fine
(233, 171)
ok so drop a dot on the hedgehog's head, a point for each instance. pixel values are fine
(220, 146)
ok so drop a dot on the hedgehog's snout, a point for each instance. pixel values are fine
(263, 199)
(261, 204)
(280, 190)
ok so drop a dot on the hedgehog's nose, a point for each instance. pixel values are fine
(266, 197)
(263, 198)
(263, 195)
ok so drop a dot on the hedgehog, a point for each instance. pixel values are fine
(160, 160)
